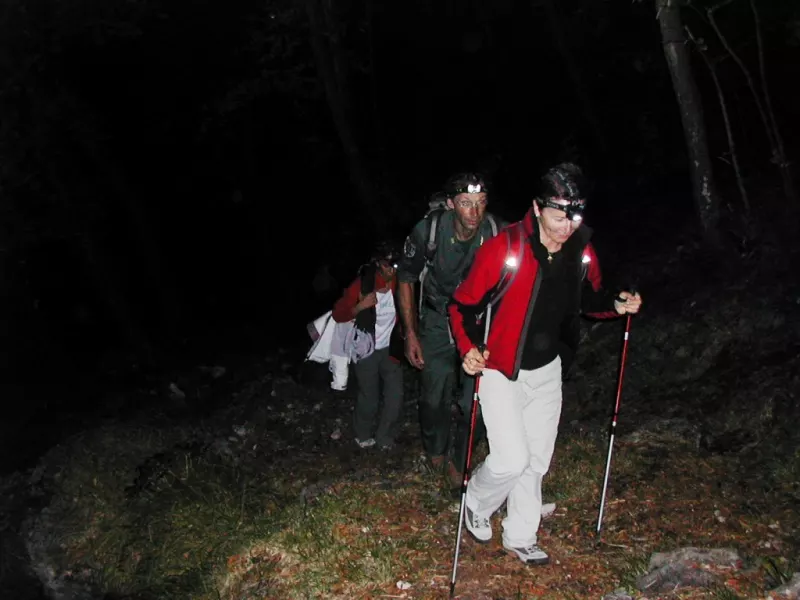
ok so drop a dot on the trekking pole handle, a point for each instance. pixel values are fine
(631, 289)
(482, 346)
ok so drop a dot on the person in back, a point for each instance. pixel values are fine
(375, 348)
(436, 257)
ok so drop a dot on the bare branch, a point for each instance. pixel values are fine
(725, 118)
(759, 106)
(718, 5)
(767, 117)
(780, 155)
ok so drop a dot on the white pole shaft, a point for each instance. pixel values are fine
(605, 483)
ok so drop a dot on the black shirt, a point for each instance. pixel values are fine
(555, 301)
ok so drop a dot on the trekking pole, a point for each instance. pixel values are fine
(473, 415)
(614, 420)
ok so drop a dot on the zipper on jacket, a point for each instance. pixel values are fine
(523, 336)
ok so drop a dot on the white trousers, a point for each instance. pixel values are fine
(521, 420)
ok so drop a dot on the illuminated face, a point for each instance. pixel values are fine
(469, 209)
(556, 227)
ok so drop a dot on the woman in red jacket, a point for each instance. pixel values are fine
(552, 276)
(375, 348)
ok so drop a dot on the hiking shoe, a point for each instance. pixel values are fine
(548, 509)
(479, 527)
(531, 554)
(368, 443)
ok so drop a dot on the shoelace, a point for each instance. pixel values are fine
(479, 522)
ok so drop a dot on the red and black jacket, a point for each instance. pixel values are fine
(511, 315)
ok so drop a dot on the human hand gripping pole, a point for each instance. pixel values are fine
(616, 415)
(473, 414)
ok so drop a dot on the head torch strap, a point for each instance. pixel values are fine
(573, 209)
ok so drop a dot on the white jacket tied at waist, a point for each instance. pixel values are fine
(330, 346)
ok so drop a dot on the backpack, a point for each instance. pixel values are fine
(436, 209)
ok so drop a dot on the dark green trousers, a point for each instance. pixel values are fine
(378, 372)
(443, 379)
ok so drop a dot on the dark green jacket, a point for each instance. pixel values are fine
(450, 262)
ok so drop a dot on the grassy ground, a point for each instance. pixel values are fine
(336, 522)
(264, 500)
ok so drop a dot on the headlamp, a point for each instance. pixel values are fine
(392, 260)
(470, 188)
(573, 209)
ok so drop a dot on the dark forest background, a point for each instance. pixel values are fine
(173, 174)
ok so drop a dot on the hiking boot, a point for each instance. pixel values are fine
(436, 461)
(479, 527)
(454, 477)
(530, 554)
(368, 443)
(431, 465)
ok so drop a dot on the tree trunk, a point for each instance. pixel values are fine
(678, 59)
(326, 49)
(723, 106)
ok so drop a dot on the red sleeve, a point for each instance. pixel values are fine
(594, 274)
(596, 301)
(344, 309)
(483, 276)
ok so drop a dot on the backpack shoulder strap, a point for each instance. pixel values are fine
(367, 273)
(434, 219)
(492, 223)
(515, 248)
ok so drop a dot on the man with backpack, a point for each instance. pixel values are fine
(548, 275)
(436, 256)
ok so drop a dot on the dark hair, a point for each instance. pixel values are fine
(386, 250)
(459, 183)
(565, 181)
